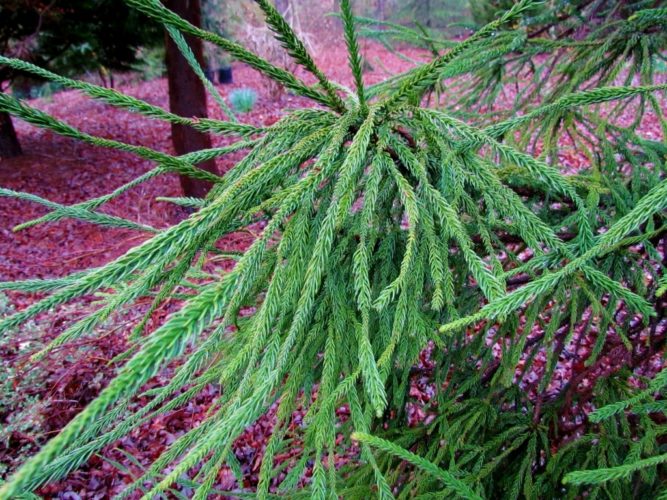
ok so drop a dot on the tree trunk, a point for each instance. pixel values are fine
(9, 143)
(187, 96)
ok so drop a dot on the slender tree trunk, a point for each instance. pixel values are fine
(9, 143)
(187, 96)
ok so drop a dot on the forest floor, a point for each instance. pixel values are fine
(38, 399)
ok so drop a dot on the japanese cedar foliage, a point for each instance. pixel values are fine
(387, 226)
(563, 47)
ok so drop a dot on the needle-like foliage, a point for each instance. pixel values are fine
(388, 226)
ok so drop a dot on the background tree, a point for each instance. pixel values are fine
(9, 143)
(19, 26)
(436, 14)
(187, 96)
(70, 37)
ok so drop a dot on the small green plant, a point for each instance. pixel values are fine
(243, 100)
(20, 408)
(151, 63)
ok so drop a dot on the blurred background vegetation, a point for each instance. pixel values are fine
(107, 42)
(75, 37)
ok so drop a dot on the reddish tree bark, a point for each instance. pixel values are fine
(187, 96)
(9, 143)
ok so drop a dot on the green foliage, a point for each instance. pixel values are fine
(20, 408)
(455, 485)
(613, 473)
(485, 11)
(74, 36)
(432, 14)
(218, 16)
(243, 100)
(388, 226)
(641, 405)
(151, 63)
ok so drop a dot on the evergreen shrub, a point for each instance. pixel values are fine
(393, 231)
